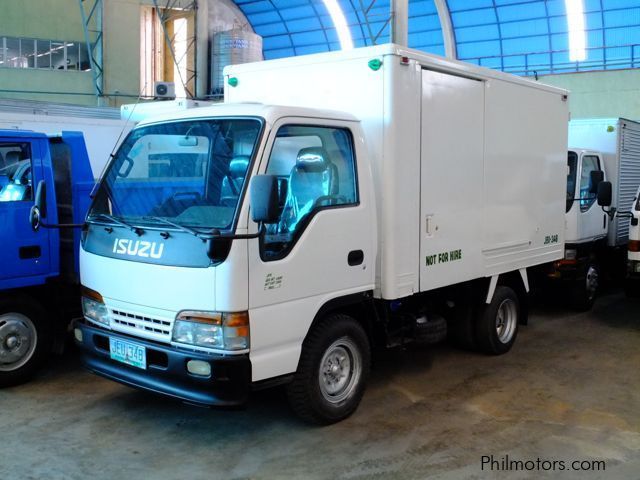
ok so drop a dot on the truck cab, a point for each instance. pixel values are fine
(152, 271)
(38, 267)
(586, 228)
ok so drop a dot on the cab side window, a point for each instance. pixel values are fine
(316, 170)
(15, 172)
(590, 164)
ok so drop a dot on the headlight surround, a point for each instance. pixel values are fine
(214, 330)
(93, 307)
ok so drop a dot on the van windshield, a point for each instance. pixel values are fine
(191, 173)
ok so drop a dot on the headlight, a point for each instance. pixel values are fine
(94, 308)
(224, 331)
(570, 254)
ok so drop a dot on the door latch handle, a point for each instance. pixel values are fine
(356, 257)
(32, 251)
(429, 227)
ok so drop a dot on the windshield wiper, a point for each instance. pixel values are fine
(137, 230)
(178, 226)
(212, 234)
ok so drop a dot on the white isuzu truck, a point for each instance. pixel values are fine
(602, 149)
(334, 203)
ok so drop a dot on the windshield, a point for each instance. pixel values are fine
(572, 168)
(191, 173)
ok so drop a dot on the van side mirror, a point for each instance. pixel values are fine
(597, 176)
(39, 209)
(604, 194)
(264, 199)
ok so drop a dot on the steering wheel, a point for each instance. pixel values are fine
(177, 195)
(332, 199)
(228, 201)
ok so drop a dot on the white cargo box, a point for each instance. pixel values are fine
(618, 139)
(469, 164)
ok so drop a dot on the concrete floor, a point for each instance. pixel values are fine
(569, 390)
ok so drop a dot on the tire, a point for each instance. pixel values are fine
(25, 340)
(333, 371)
(497, 323)
(584, 292)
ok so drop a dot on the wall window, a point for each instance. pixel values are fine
(43, 54)
(316, 170)
(15, 172)
(167, 49)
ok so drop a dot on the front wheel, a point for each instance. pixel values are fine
(24, 341)
(585, 290)
(333, 371)
(497, 323)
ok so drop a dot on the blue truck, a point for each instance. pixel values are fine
(39, 282)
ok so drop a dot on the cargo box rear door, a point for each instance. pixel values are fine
(451, 179)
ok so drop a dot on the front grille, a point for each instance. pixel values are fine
(154, 326)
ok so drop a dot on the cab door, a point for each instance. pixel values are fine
(593, 221)
(24, 254)
(322, 247)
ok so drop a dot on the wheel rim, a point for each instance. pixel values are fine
(340, 370)
(506, 320)
(18, 339)
(592, 282)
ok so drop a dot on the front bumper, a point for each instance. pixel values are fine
(166, 371)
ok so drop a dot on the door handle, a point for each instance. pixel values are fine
(429, 227)
(32, 251)
(356, 257)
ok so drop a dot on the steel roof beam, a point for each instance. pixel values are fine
(448, 33)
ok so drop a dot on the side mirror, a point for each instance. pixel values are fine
(39, 209)
(264, 199)
(34, 218)
(597, 176)
(604, 194)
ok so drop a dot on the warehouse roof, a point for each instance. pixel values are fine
(518, 36)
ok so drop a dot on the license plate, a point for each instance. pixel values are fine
(128, 353)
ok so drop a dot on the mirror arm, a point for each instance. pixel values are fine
(216, 235)
(624, 214)
(611, 212)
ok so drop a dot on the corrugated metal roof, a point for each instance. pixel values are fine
(517, 36)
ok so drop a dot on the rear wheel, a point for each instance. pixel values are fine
(25, 340)
(497, 322)
(333, 371)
